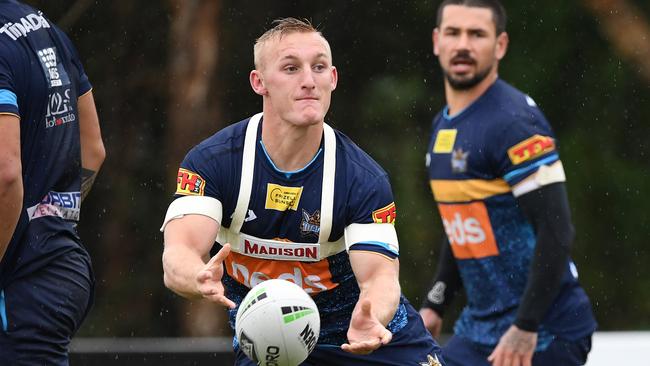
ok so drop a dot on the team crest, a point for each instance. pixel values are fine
(310, 224)
(459, 161)
(431, 361)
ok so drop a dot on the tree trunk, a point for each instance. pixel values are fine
(627, 29)
(192, 115)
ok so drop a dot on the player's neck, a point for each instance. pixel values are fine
(291, 147)
(458, 100)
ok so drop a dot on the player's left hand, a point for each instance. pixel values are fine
(515, 348)
(366, 333)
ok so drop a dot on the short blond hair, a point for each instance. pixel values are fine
(283, 27)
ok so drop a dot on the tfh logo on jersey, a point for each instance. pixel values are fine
(469, 230)
(189, 183)
(385, 215)
(530, 149)
(28, 23)
(282, 198)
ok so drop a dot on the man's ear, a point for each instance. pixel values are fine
(502, 45)
(434, 38)
(257, 82)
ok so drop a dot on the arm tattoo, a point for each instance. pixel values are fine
(87, 180)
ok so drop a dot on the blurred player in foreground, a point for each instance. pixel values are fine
(291, 198)
(50, 151)
(498, 181)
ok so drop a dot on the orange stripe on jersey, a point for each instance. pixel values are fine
(467, 190)
(469, 230)
(314, 277)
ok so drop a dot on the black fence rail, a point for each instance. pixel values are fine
(151, 351)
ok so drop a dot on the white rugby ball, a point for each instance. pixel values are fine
(277, 324)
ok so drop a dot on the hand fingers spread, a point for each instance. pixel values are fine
(220, 256)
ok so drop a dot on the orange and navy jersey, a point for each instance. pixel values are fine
(479, 161)
(284, 208)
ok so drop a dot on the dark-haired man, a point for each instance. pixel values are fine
(50, 152)
(498, 181)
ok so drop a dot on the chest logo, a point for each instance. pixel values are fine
(445, 140)
(531, 148)
(459, 161)
(310, 224)
(282, 198)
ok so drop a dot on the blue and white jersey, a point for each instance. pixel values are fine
(283, 225)
(498, 148)
(40, 80)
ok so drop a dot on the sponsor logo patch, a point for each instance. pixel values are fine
(445, 140)
(469, 230)
(531, 148)
(59, 109)
(459, 161)
(268, 249)
(385, 215)
(65, 205)
(28, 23)
(313, 277)
(189, 183)
(282, 198)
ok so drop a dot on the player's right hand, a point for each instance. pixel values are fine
(432, 321)
(208, 279)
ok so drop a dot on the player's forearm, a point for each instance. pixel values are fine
(548, 211)
(93, 151)
(383, 291)
(180, 268)
(11, 197)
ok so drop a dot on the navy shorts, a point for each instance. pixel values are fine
(410, 346)
(461, 352)
(40, 312)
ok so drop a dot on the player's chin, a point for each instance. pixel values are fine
(310, 116)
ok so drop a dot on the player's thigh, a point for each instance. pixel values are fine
(45, 309)
(564, 353)
(459, 351)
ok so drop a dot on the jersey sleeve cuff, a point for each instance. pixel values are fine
(376, 247)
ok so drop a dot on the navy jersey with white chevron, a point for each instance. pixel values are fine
(38, 60)
(476, 160)
(285, 206)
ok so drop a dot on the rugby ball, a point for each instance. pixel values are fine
(277, 324)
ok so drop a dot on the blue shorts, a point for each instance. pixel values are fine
(461, 352)
(40, 312)
(410, 346)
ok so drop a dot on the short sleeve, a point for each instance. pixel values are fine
(8, 99)
(373, 214)
(524, 146)
(197, 176)
(84, 84)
